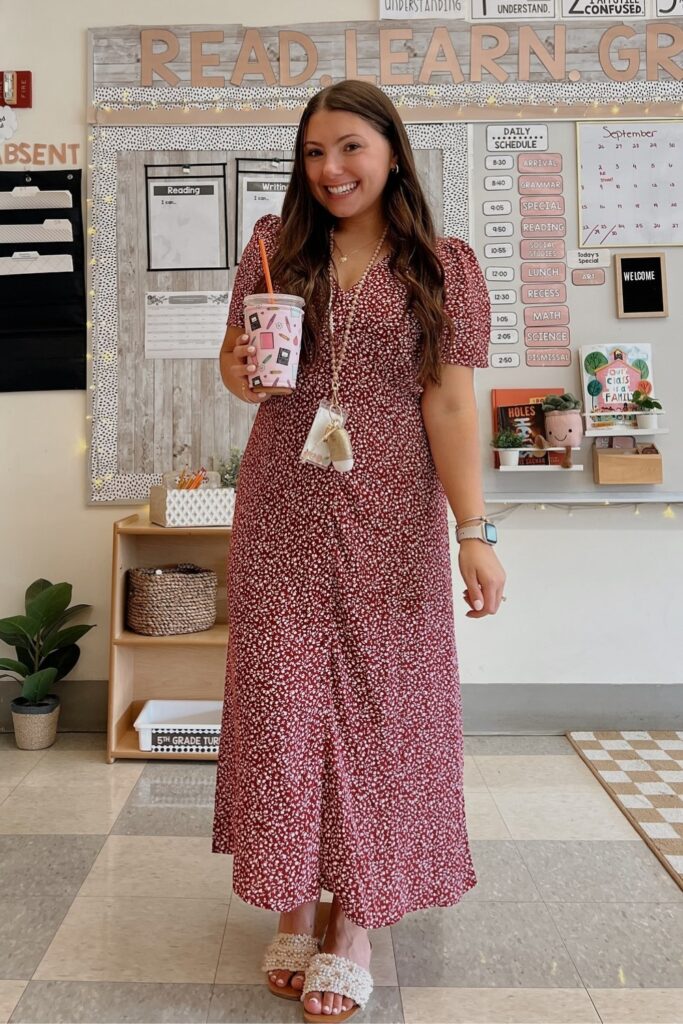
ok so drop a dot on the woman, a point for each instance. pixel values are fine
(341, 762)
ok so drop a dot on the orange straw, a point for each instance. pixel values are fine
(266, 268)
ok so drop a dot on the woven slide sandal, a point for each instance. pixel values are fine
(328, 972)
(293, 953)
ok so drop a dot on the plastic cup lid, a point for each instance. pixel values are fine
(277, 299)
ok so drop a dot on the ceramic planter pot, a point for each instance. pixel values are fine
(564, 428)
(646, 420)
(35, 725)
(508, 456)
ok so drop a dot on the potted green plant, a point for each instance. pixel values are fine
(507, 443)
(646, 416)
(229, 468)
(46, 651)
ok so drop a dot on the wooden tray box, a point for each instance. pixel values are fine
(611, 466)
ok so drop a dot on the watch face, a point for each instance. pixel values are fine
(491, 533)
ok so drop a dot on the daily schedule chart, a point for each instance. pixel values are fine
(630, 178)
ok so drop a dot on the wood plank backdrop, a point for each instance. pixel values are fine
(176, 412)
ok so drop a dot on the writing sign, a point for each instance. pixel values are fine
(641, 285)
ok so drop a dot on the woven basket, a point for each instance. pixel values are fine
(171, 599)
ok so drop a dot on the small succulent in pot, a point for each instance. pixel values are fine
(563, 425)
(507, 443)
(507, 438)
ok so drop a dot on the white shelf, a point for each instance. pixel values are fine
(619, 412)
(537, 469)
(624, 431)
(606, 495)
(542, 451)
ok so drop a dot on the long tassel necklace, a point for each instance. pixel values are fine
(336, 436)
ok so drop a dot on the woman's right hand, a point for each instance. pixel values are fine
(241, 366)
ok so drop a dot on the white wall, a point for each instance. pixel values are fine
(592, 598)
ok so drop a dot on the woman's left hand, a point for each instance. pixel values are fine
(484, 577)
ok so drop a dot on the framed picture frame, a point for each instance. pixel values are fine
(641, 284)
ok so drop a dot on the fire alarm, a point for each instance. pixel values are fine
(15, 88)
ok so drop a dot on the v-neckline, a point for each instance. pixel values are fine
(347, 291)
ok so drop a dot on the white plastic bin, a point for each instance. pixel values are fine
(180, 726)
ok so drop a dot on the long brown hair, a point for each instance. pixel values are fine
(301, 265)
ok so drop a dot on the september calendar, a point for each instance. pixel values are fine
(630, 178)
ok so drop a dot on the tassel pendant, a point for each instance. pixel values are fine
(339, 445)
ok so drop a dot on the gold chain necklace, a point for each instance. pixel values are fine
(338, 358)
(344, 257)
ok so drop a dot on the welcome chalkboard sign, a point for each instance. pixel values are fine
(641, 285)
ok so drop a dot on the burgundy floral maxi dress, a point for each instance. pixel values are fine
(341, 756)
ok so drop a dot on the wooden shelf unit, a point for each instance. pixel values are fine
(183, 667)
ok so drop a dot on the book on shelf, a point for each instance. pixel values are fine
(609, 376)
(521, 410)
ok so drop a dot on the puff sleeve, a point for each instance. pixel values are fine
(249, 270)
(468, 305)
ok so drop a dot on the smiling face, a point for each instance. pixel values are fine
(347, 163)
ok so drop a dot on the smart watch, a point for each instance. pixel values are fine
(482, 531)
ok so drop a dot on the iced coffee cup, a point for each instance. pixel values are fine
(273, 323)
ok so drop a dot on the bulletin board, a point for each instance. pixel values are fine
(153, 413)
(525, 223)
(483, 139)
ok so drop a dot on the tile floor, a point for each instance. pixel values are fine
(112, 907)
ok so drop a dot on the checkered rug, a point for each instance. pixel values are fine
(643, 773)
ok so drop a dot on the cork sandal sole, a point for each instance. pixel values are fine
(288, 991)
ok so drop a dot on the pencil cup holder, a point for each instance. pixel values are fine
(206, 506)
(168, 600)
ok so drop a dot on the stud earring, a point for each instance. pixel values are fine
(395, 168)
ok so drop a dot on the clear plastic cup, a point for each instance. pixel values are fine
(274, 324)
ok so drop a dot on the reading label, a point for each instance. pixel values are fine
(543, 227)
